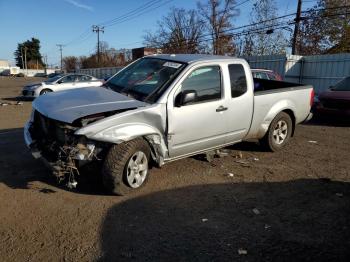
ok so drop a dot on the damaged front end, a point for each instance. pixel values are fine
(57, 145)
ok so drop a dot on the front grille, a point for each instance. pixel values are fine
(336, 104)
(51, 130)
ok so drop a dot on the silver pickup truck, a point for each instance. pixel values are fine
(158, 109)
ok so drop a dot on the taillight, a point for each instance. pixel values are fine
(312, 97)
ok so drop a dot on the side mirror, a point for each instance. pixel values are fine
(185, 97)
(59, 82)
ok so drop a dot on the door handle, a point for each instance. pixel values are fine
(221, 108)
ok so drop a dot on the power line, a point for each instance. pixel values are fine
(137, 14)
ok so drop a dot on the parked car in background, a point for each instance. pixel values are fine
(335, 101)
(162, 108)
(54, 74)
(61, 83)
(266, 74)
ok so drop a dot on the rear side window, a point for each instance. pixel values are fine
(272, 76)
(238, 80)
(84, 78)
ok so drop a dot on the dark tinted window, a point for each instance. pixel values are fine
(68, 79)
(272, 76)
(238, 80)
(83, 78)
(260, 75)
(343, 85)
(206, 82)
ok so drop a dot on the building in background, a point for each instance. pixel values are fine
(143, 51)
(4, 65)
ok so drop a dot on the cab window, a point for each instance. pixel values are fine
(205, 82)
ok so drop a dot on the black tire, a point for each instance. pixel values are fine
(45, 91)
(115, 166)
(269, 140)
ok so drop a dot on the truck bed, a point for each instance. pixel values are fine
(271, 97)
(263, 85)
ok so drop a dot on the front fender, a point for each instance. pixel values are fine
(124, 132)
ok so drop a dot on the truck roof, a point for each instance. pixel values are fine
(191, 58)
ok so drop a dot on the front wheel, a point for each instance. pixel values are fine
(45, 91)
(126, 166)
(279, 132)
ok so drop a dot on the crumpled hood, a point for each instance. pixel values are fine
(67, 106)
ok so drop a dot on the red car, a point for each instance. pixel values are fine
(266, 74)
(336, 100)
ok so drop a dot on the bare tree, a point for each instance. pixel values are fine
(70, 63)
(178, 32)
(266, 38)
(218, 15)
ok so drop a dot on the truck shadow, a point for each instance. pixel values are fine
(336, 121)
(302, 220)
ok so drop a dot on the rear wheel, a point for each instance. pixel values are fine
(279, 132)
(45, 91)
(126, 166)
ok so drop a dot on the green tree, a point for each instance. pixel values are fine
(32, 50)
(325, 28)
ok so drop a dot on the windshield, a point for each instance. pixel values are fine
(53, 79)
(343, 85)
(144, 77)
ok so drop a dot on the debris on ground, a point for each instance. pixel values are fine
(312, 141)
(243, 163)
(254, 158)
(221, 152)
(339, 194)
(230, 175)
(239, 155)
(19, 103)
(242, 251)
(256, 211)
(267, 226)
(204, 219)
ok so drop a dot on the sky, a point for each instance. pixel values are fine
(69, 22)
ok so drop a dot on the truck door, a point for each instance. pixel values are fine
(201, 123)
(240, 101)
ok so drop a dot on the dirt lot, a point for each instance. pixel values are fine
(292, 205)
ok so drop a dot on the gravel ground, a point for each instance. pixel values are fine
(292, 205)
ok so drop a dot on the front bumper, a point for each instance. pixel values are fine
(29, 94)
(36, 153)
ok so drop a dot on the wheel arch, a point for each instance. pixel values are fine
(124, 133)
(292, 117)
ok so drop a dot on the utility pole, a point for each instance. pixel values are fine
(60, 47)
(22, 57)
(25, 59)
(296, 29)
(97, 29)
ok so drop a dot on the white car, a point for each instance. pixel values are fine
(60, 83)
